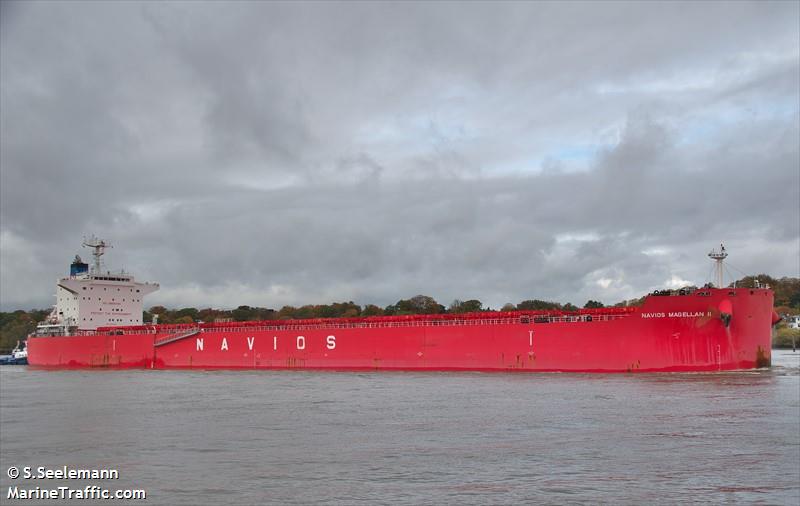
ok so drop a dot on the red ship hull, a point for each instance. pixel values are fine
(708, 330)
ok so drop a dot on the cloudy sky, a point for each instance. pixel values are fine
(265, 153)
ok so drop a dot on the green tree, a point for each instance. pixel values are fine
(794, 300)
(304, 312)
(419, 304)
(537, 305)
(343, 310)
(265, 313)
(372, 310)
(593, 304)
(286, 312)
(243, 314)
(17, 325)
(469, 306)
(186, 312)
(787, 290)
(209, 315)
(164, 315)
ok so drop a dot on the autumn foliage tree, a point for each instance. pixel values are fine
(467, 306)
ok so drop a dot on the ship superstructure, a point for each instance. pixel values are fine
(94, 297)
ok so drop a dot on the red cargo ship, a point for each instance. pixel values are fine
(97, 323)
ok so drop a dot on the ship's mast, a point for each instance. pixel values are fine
(718, 256)
(99, 247)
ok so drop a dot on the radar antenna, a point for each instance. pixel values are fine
(718, 256)
(99, 247)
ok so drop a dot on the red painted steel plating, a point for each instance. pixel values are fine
(708, 330)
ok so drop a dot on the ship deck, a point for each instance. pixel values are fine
(431, 320)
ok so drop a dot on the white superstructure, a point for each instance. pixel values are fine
(88, 299)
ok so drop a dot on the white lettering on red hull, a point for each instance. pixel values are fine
(300, 342)
(678, 314)
(689, 314)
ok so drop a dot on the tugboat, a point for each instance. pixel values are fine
(19, 355)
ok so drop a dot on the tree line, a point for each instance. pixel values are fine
(16, 325)
(419, 304)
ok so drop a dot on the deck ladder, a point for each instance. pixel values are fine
(171, 338)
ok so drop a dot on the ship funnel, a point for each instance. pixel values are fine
(78, 267)
(718, 256)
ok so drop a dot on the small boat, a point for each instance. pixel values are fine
(19, 355)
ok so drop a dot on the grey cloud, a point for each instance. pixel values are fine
(270, 153)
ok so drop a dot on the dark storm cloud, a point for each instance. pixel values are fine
(271, 153)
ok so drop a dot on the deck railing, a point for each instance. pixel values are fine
(332, 325)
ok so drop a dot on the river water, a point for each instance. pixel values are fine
(289, 437)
